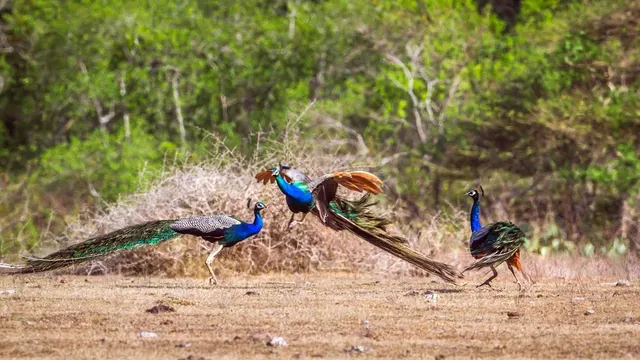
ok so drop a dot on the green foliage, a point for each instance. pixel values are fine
(107, 163)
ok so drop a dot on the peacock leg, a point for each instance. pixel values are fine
(289, 224)
(514, 275)
(488, 281)
(293, 222)
(213, 280)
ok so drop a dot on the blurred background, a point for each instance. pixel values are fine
(537, 100)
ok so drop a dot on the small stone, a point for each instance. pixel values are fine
(411, 293)
(8, 292)
(277, 341)
(513, 314)
(431, 296)
(251, 293)
(191, 357)
(623, 283)
(166, 322)
(160, 309)
(357, 349)
(184, 345)
(147, 334)
(577, 299)
(590, 311)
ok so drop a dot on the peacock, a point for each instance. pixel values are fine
(320, 198)
(222, 230)
(494, 243)
(304, 195)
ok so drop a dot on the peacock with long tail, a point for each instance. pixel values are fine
(319, 197)
(494, 243)
(222, 230)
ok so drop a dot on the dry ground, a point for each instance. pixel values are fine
(320, 315)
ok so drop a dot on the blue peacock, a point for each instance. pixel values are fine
(494, 243)
(222, 230)
(319, 197)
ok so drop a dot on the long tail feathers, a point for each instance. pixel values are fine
(394, 245)
(132, 237)
(358, 211)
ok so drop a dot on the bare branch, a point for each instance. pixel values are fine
(292, 19)
(410, 76)
(176, 102)
(125, 116)
(391, 158)
(331, 122)
(103, 119)
(452, 92)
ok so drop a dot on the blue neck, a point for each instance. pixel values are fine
(257, 222)
(298, 193)
(475, 216)
(242, 231)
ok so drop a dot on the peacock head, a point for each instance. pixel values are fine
(276, 171)
(474, 194)
(259, 206)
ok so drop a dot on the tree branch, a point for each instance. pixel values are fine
(125, 116)
(103, 119)
(176, 103)
(409, 75)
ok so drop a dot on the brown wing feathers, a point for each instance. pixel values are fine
(359, 181)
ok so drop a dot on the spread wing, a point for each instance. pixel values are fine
(325, 187)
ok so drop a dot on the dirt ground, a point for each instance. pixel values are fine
(320, 315)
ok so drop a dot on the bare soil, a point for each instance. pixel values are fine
(319, 315)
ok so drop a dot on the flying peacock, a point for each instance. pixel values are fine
(222, 230)
(320, 198)
(494, 243)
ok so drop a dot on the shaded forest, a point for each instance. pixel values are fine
(537, 100)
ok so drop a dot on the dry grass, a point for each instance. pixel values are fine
(319, 315)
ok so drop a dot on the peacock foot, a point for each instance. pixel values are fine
(291, 225)
(488, 283)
